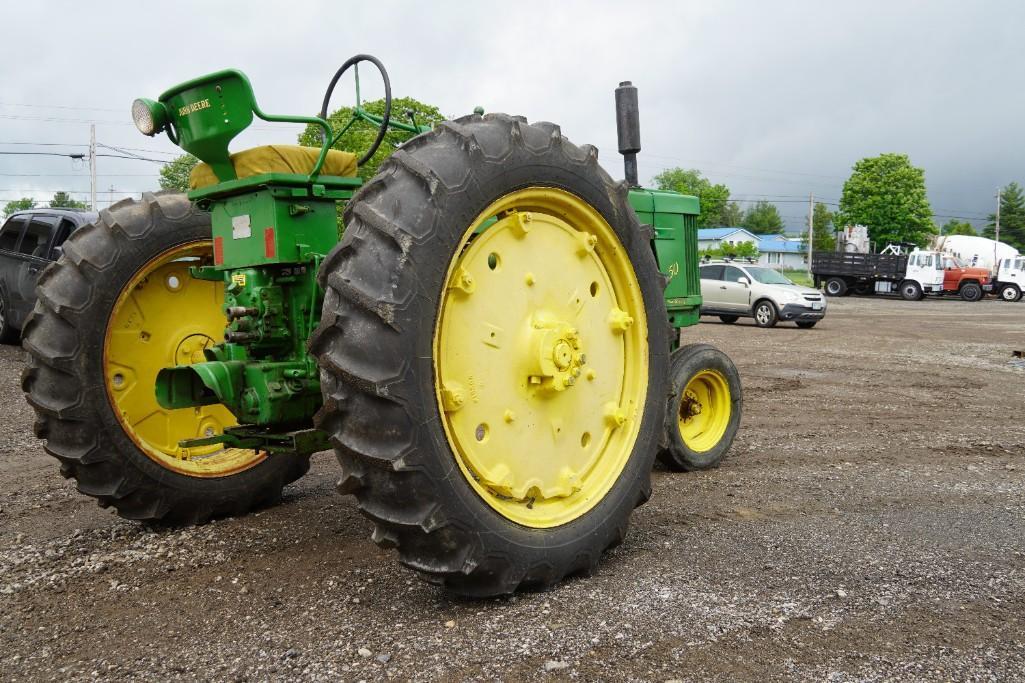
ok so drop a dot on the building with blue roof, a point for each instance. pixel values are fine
(777, 251)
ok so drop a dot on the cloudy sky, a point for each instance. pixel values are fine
(774, 99)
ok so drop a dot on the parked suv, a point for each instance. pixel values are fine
(29, 240)
(732, 290)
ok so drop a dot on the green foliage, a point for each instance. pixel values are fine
(62, 200)
(887, 194)
(763, 219)
(738, 250)
(799, 277)
(174, 175)
(1012, 217)
(956, 227)
(732, 215)
(822, 230)
(714, 198)
(361, 134)
(19, 205)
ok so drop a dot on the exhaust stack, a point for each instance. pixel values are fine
(628, 128)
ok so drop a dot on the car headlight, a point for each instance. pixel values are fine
(149, 116)
(791, 296)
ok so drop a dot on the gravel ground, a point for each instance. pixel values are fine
(869, 524)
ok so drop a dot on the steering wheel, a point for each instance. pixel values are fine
(357, 112)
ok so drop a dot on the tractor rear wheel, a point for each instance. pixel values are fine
(489, 385)
(117, 307)
(704, 410)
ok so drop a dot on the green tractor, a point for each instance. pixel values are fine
(491, 347)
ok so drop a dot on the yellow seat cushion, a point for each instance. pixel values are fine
(277, 159)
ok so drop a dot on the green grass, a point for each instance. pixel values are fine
(800, 277)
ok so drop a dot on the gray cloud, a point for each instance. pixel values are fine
(771, 98)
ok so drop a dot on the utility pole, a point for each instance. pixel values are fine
(92, 165)
(811, 231)
(996, 236)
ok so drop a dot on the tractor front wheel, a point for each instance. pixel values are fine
(489, 385)
(704, 409)
(117, 307)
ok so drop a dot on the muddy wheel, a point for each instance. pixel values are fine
(489, 386)
(704, 408)
(116, 308)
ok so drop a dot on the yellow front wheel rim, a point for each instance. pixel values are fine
(704, 412)
(541, 358)
(165, 317)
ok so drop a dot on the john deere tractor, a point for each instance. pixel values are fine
(490, 348)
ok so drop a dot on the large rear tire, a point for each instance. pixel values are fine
(489, 387)
(118, 306)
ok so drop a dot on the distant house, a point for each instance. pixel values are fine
(716, 238)
(777, 251)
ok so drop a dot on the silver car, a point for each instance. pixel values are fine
(734, 290)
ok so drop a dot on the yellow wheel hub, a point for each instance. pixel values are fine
(541, 357)
(705, 410)
(164, 317)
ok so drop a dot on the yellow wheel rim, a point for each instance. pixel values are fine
(541, 357)
(705, 410)
(164, 317)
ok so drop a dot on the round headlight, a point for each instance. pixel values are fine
(150, 117)
(143, 117)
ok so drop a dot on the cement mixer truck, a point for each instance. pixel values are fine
(1005, 265)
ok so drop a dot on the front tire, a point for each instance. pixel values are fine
(704, 408)
(1010, 293)
(8, 333)
(765, 313)
(729, 319)
(118, 306)
(971, 291)
(469, 451)
(911, 290)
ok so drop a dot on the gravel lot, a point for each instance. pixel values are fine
(869, 524)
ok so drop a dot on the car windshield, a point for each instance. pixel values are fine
(767, 276)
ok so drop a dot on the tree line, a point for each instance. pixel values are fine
(61, 200)
(886, 193)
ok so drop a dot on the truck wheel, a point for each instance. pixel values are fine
(8, 335)
(489, 386)
(836, 286)
(971, 291)
(1010, 293)
(116, 308)
(765, 314)
(911, 290)
(704, 408)
(729, 319)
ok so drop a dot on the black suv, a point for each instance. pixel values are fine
(29, 240)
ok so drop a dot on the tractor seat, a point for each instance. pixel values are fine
(292, 159)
